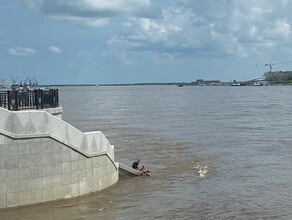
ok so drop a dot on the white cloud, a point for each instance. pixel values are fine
(177, 30)
(89, 22)
(92, 12)
(21, 51)
(183, 28)
(195, 28)
(282, 28)
(55, 49)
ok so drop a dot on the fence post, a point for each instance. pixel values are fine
(9, 99)
(15, 107)
(41, 98)
(51, 92)
(55, 101)
(57, 97)
(36, 100)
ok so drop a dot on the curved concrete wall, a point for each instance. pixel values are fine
(57, 112)
(43, 158)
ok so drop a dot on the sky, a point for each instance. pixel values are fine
(136, 41)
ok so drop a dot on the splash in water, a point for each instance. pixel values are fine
(202, 170)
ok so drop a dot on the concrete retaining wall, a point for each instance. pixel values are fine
(57, 112)
(43, 158)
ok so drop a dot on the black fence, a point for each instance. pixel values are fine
(38, 99)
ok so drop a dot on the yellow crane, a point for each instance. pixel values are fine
(272, 64)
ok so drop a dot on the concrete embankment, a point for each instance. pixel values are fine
(43, 158)
(128, 171)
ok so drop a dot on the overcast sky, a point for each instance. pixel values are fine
(131, 41)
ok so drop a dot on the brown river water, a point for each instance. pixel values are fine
(243, 135)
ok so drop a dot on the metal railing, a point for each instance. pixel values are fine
(38, 99)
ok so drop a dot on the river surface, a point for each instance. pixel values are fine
(243, 135)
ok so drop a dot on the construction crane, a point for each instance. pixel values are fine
(272, 64)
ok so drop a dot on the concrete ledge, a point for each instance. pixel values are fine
(27, 136)
(40, 124)
(128, 171)
(57, 112)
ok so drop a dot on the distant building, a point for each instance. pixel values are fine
(201, 82)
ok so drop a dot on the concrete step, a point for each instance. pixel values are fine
(128, 171)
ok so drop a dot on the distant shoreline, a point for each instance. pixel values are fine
(116, 84)
(129, 84)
